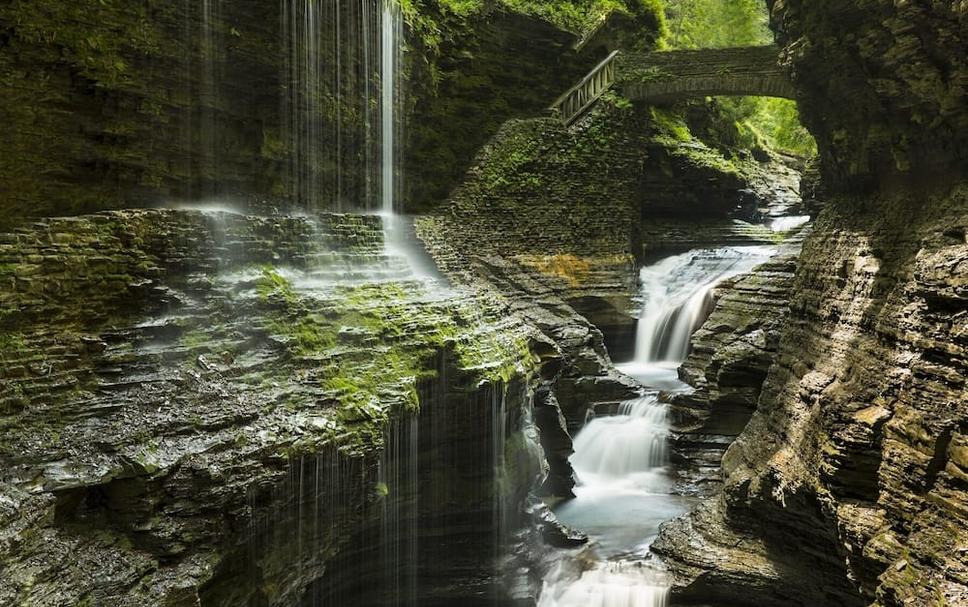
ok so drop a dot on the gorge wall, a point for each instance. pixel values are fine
(208, 409)
(111, 105)
(848, 487)
(898, 66)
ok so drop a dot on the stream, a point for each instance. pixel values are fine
(626, 488)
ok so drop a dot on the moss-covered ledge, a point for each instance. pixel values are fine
(163, 371)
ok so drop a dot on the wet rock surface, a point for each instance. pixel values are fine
(881, 85)
(852, 452)
(185, 395)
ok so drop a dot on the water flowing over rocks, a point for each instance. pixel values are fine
(851, 456)
(175, 381)
(850, 449)
(204, 407)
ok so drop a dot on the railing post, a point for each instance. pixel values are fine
(581, 96)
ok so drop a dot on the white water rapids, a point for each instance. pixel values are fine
(677, 298)
(621, 460)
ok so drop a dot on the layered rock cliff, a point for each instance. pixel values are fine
(217, 409)
(882, 84)
(848, 486)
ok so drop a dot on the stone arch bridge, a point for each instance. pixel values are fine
(673, 75)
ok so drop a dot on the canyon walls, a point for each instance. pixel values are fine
(849, 485)
(209, 408)
(882, 85)
(272, 105)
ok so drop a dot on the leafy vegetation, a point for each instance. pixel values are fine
(716, 23)
(578, 16)
(756, 121)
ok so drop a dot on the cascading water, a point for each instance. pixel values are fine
(621, 460)
(621, 584)
(622, 446)
(677, 298)
(390, 57)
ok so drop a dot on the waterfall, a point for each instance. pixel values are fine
(330, 66)
(620, 584)
(614, 448)
(621, 460)
(390, 56)
(302, 33)
(677, 298)
(337, 143)
(399, 480)
(204, 58)
(212, 58)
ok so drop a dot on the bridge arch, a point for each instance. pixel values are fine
(674, 75)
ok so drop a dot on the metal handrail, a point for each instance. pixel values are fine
(580, 97)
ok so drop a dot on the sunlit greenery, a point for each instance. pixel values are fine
(759, 121)
(717, 23)
(427, 17)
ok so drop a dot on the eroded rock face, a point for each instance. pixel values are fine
(848, 487)
(206, 409)
(730, 357)
(882, 84)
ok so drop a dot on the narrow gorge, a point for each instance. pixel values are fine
(484, 303)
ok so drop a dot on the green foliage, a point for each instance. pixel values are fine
(273, 284)
(756, 121)
(307, 335)
(670, 125)
(778, 122)
(763, 122)
(717, 23)
(671, 131)
(434, 21)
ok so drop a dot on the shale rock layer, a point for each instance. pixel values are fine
(854, 455)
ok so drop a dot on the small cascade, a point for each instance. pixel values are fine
(631, 444)
(621, 461)
(619, 584)
(676, 299)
